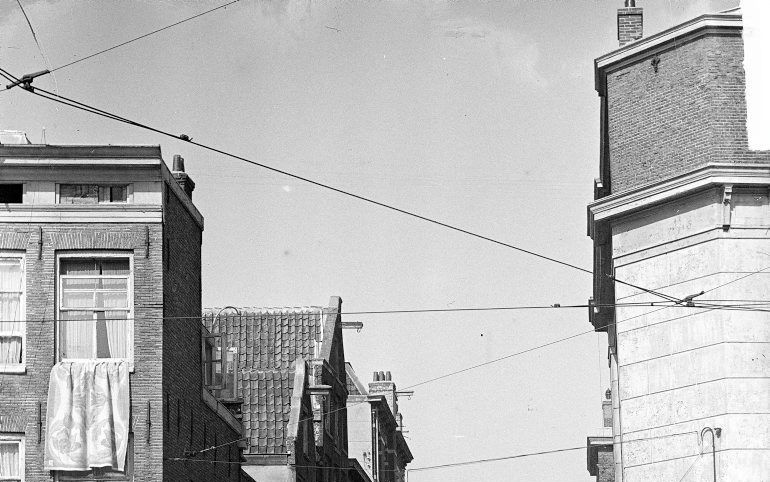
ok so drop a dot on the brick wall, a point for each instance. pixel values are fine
(605, 465)
(189, 424)
(690, 112)
(19, 394)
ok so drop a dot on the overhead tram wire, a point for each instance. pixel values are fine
(433, 467)
(64, 66)
(93, 110)
(665, 304)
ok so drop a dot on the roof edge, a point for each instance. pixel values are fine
(300, 383)
(693, 27)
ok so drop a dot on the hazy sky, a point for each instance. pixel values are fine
(481, 114)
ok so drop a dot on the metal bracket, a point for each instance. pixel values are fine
(26, 80)
(147, 241)
(149, 419)
(727, 198)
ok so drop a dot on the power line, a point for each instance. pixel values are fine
(128, 41)
(93, 110)
(754, 306)
(203, 317)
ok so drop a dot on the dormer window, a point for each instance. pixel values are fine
(93, 193)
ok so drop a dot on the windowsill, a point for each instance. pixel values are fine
(15, 369)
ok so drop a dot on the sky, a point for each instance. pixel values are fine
(480, 114)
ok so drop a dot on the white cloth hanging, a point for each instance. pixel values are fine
(87, 419)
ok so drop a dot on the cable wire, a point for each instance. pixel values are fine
(93, 110)
(64, 66)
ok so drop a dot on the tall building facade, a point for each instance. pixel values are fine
(100, 299)
(681, 209)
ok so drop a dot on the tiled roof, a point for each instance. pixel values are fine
(270, 338)
(266, 415)
(269, 342)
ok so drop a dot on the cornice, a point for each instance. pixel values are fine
(696, 27)
(645, 196)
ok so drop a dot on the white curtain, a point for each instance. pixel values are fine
(77, 334)
(11, 326)
(117, 333)
(9, 459)
(88, 415)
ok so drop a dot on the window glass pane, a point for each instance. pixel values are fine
(118, 194)
(9, 459)
(76, 329)
(78, 194)
(11, 193)
(111, 334)
(10, 349)
(9, 310)
(112, 267)
(114, 283)
(77, 299)
(90, 284)
(10, 275)
(78, 266)
(111, 299)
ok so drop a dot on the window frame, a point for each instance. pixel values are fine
(7, 438)
(129, 313)
(18, 367)
(129, 187)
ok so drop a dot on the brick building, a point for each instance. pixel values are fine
(100, 252)
(282, 370)
(681, 207)
(377, 441)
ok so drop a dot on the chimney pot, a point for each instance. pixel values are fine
(381, 376)
(387, 376)
(178, 165)
(374, 377)
(630, 3)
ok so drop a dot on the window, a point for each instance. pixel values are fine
(212, 361)
(11, 458)
(95, 305)
(92, 193)
(103, 473)
(12, 312)
(11, 193)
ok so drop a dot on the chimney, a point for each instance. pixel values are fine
(181, 177)
(629, 23)
(384, 386)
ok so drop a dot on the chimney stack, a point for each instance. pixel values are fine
(384, 386)
(629, 23)
(177, 170)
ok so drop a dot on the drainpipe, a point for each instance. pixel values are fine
(715, 432)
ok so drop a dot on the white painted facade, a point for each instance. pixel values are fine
(677, 369)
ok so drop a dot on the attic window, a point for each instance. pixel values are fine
(92, 193)
(11, 193)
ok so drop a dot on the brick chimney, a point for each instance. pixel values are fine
(187, 184)
(384, 386)
(629, 23)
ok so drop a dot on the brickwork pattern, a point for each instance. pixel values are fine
(20, 393)
(190, 425)
(671, 113)
(606, 465)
